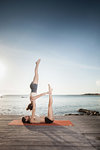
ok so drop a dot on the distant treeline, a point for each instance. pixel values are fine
(91, 94)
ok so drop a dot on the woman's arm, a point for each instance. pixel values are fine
(33, 110)
(32, 98)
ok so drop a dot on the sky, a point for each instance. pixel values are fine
(65, 34)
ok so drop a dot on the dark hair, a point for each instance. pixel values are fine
(30, 106)
(24, 120)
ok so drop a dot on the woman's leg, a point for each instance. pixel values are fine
(50, 110)
(36, 76)
(34, 83)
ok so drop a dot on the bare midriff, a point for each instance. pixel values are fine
(37, 119)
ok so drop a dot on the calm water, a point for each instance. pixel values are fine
(16, 105)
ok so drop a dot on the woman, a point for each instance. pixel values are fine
(33, 86)
(41, 119)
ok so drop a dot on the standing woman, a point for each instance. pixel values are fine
(33, 86)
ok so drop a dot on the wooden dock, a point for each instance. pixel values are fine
(84, 135)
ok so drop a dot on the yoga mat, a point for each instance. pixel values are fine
(55, 123)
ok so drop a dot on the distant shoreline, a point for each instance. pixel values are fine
(91, 94)
(87, 94)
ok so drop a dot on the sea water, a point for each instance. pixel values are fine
(62, 104)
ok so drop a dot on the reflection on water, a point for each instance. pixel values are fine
(63, 104)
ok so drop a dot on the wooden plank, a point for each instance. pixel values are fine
(85, 134)
(48, 148)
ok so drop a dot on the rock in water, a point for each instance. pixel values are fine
(89, 112)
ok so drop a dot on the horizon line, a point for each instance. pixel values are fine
(96, 93)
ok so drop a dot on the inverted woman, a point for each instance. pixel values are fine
(34, 86)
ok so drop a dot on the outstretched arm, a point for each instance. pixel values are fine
(34, 109)
(32, 98)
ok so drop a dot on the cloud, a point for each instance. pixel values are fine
(98, 82)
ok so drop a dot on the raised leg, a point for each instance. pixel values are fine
(36, 76)
(50, 110)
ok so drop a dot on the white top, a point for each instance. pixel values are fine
(33, 94)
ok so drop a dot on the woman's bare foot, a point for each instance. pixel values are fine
(38, 61)
(50, 89)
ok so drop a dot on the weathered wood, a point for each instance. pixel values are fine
(47, 147)
(85, 134)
